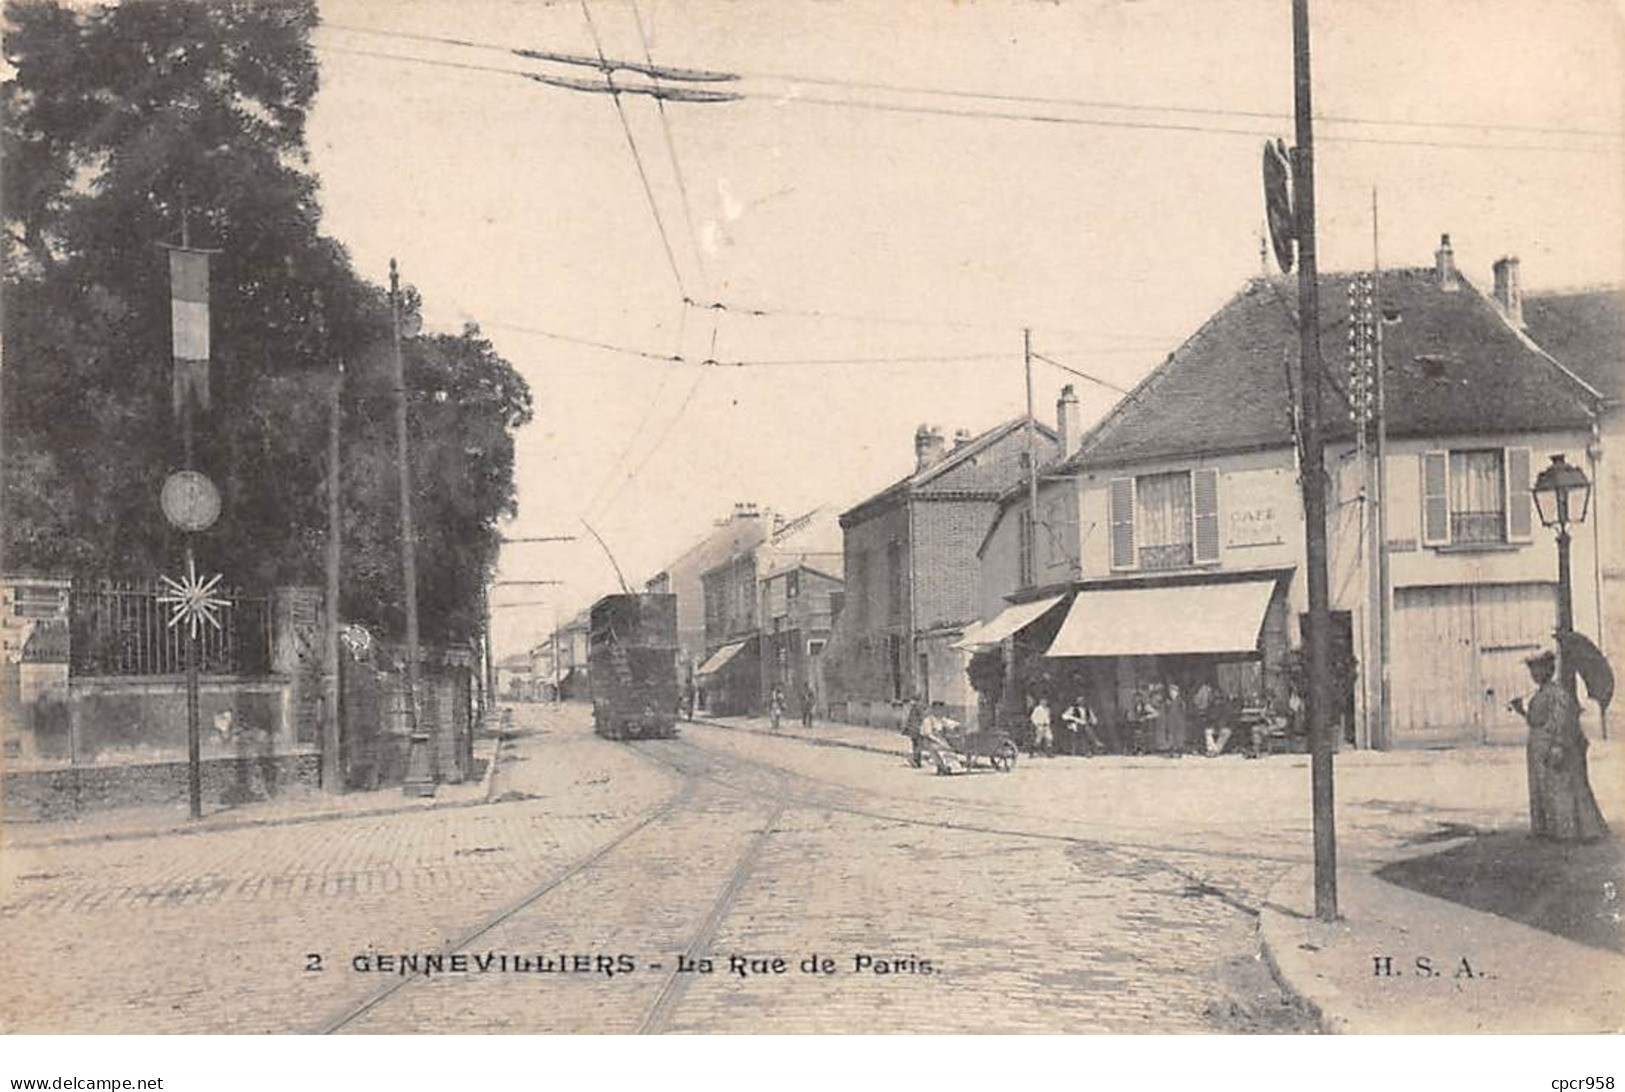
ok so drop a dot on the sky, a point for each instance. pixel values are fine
(898, 191)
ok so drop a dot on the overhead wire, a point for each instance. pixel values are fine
(1051, 119)
(1083, 374)
(995, 96)
(671, 150)
(637, 158)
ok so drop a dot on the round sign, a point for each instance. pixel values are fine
(190, 501)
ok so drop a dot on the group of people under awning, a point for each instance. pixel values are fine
(1167, 719)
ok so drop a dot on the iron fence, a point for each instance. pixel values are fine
(122, 629)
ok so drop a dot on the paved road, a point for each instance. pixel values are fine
(1072, 896)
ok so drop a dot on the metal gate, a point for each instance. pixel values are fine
(1458, 659)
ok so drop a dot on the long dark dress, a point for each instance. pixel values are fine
(1561, 806)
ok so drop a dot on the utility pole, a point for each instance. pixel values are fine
(194, 730)
(1313, 475)
(421, 758)
(1379, 487)
(1032, 459)
(332, 760)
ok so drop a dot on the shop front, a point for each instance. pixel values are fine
(1155, 661)
(729, 682)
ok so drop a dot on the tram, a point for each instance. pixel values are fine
(632, 666)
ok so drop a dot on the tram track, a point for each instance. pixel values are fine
(656, 1014)
(712, 779)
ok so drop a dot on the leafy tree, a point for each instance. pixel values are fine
(126, 127)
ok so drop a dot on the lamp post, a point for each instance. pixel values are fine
(1563, 496)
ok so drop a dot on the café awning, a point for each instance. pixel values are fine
(1010, 620)
(719, 659)
(1190, 619)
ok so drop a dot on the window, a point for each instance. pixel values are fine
(894, 580)
(860, 587)
(1024, 534)
(1476, 496)
(814, 647)
(1165, 521)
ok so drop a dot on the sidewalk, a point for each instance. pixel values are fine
(1399, 962)
(300, 804)
(823, 733)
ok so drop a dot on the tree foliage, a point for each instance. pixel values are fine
(126, 127)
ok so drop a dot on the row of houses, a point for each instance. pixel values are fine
(1167, 547)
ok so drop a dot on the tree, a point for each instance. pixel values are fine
(124, 127)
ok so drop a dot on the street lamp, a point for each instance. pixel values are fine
(1563, 496)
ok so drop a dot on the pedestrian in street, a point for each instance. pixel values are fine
(1174, 722)
(1043, 737)
(913, 717)
(1561, 806)
(775, 705)
(1218, 729)
(808, 700)
(1081, 719)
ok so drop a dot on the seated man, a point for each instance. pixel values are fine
(935, 728)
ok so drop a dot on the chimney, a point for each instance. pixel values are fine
(1066, 421)
(1507, 292)
(928, 447)
(962, 436)
(1445, 264)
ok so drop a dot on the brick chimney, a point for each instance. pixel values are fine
(928, 447)
(1444, 260)
(1066, 421)
(962, 436)
(1507, 291)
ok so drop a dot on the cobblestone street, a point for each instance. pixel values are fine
(1069, 896)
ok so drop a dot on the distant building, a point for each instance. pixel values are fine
(911, 569)
(757, 633)
(740, 531)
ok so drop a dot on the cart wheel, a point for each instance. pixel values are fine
(1003, 758)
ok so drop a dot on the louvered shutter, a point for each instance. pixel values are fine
(1122, 521)
(1435, 498)
(1519, 526)
(1205, 515)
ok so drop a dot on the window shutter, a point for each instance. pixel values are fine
(1121, 518)
(1519, 526)
(1435, 498)
(1205, 515)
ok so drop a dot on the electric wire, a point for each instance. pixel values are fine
(992, 96)
(637, 158)
(676, 165)
(1051, 119)
(1083, 374)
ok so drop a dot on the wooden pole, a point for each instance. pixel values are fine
(332, 735)
(420, 778)
(1313, 476)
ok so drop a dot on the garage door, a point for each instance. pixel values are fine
(1458, 659)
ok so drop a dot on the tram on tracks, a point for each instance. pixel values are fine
(632, 666)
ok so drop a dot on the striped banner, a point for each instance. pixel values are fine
(189, 317)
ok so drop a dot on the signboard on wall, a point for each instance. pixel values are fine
(1253, 508)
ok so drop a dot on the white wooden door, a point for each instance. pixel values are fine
(1458, 659)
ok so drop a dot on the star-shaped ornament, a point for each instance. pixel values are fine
(192, 600)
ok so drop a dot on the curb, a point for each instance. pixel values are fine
(1272, 922)
(816, 741)
(253, 822)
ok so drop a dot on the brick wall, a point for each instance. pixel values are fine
(947, 533)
